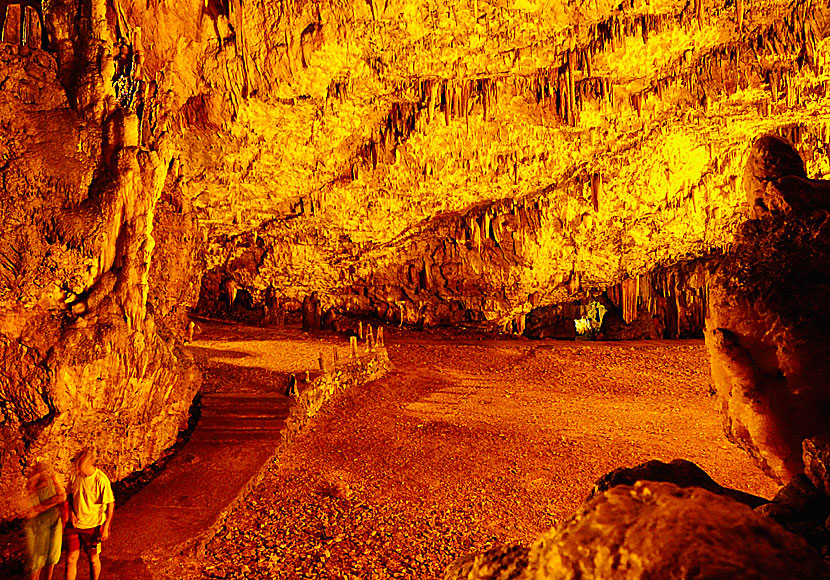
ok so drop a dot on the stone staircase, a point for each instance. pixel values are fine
(242, 416)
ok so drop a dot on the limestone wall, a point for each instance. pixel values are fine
(431, 162)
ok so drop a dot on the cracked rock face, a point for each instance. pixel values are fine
(768, 328)
(645, 531)
(87, 358)
(653, 529)
(463, 163)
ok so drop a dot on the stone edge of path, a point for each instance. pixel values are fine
(354, 373)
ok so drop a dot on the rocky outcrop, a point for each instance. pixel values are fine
(816, 458)
(659, 530)
(680, 472)
(653, 530)
(85, 359)
(803, 505)
(768, 329)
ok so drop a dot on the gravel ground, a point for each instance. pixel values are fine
(467, 444)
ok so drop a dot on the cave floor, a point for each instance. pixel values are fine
(466, 444)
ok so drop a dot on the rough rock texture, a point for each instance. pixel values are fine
(816, 458)
(499, 563)
(459, 163)
(84, 358)
(680, 472)
(471, 164)
(768, 331)
(654, 530)
(803, 508)
(659, 530)
(776, 182)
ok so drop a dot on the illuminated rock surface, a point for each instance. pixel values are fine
(659, 530)
(769, 329)
(653, 530)
(431, 163)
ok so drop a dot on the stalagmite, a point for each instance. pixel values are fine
(11, 32)
(32, 29)
(230, 287)
(596, 189)
(370, 339)
(353, 347)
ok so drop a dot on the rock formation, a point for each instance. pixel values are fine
(423, 164)
(679, 472)
(671, 520)
(91, 349)
(768, 328)
(653, 530)
(768, 334)
(659, 530)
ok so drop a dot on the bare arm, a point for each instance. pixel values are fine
(105, 529)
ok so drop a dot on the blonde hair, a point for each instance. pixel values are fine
(87, 452)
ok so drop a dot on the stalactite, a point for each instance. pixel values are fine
(739, 7)
(630, 293)
(636, 102)
(485, 97)
(447, 101)
(571, 90)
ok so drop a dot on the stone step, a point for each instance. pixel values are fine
(246, 401)
(248, 413)
(234, 424)
(213, 436)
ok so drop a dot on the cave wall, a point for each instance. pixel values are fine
(436, 163)
(85, 358)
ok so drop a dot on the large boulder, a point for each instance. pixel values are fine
(659, 530)
(653, 530)
(679, 472)
(768, 325)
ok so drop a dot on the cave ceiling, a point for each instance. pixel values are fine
(497, 156)
(470, 157)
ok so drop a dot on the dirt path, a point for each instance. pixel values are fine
(466, 445)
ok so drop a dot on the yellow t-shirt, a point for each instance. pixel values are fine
(90, 497)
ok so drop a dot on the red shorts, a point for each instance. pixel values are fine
(87, 539)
